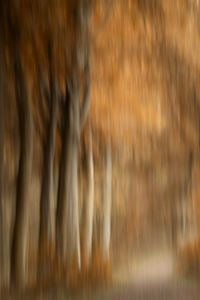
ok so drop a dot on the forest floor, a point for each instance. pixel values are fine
(146, 268)
(147, 276)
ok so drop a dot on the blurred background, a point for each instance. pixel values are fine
(99, 148)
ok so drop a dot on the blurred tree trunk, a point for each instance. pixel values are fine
(73, 216)
(68, 202)
(180, 208)
(107, 204)
(64, 184)
(47, 213)
(68, 235)
(20, 231)
(67, 209)
(174, 224)
(88, 209)
(184, 220)
(3, 234)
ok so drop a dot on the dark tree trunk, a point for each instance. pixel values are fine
(20, 231)
(68, 238)
(47, 216)
(86, 95)
(64, 185)
(73, 220)
(3, 234)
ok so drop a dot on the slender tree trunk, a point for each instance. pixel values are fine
(3, 233)
(47, 203)
(73, 216)
(107, 204)
(64, 184)
(47, 216)
(68, 202)
(88, 206)
(185, 194)
(19, 242)
(86, 94)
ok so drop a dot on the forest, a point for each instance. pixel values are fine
(99, 144)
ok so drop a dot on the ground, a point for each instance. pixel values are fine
(146, 277)
(149, 277)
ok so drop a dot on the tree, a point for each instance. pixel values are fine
(88, 209)
(47, 217)
(3, 235)
(107, 204)
(20, 231)
(67, 225)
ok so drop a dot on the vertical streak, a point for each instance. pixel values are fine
(107, 203)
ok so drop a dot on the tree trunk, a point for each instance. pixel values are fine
(86, 94)
(107, 204)
(64, 185)
(68, 200)
(185, 194)
(88, 206)
(68, 206)
(3, 233)
(19, 242)
(73, 213)
(47, 216)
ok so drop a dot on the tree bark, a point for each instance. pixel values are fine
(47, 212)
(107, 204)
(64, 186)
(73, 216)
(68, 202)
(19, 242)
(184, 220)
(47, 216)
(88, 206)
(86, 95)
(3, 233)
